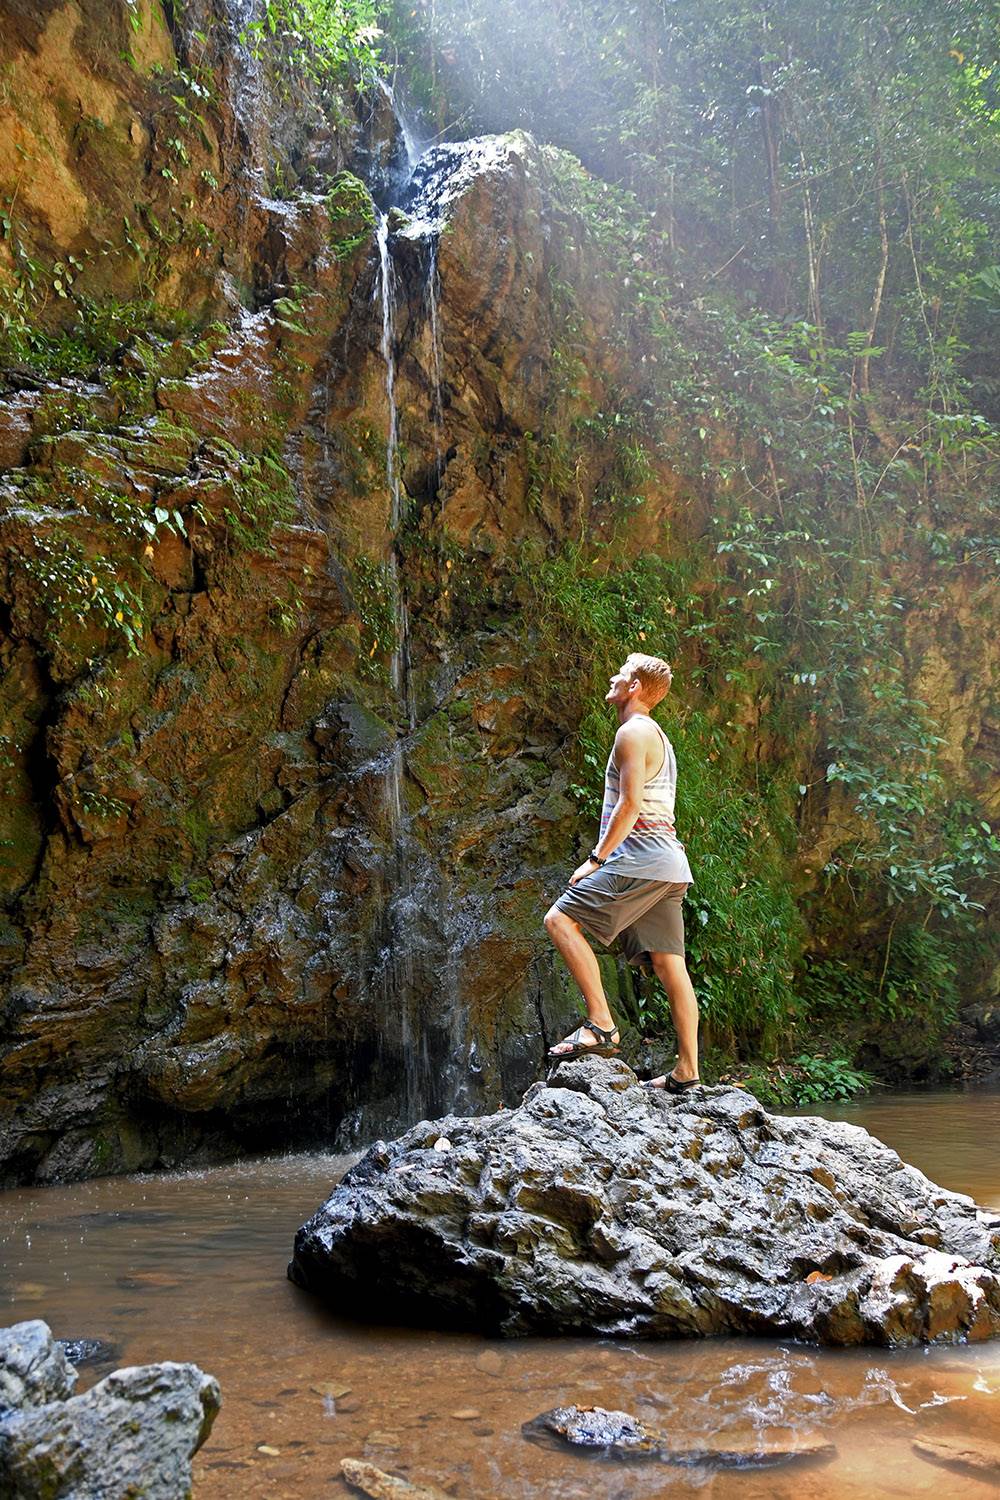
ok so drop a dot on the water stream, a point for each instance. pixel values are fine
(192, 1266)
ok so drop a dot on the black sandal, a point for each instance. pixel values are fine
(672, 1085)
(605, 1047)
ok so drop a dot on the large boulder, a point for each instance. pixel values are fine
(601, 1207)
(133, 1433)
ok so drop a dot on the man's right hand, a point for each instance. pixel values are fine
(587, 868)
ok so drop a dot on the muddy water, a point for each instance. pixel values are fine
(193, 1267)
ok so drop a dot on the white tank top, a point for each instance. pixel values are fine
(652, 850)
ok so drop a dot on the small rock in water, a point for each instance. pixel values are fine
(595, 1430)
(142, 1279)
(970, 1455)
(381, 1486)
(266, 1448)
(618, 1434)
(89, 1351)
(490, 1362)
(466, 1414)
(333, 1388)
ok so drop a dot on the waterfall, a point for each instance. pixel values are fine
(413, 148)
(386, 291)
(432, 297)
(431, 1043)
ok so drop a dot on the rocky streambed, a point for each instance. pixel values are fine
(600, 1207)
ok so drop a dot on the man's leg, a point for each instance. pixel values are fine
(671, 971)
(582, 964)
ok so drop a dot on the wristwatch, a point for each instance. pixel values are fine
(597, 858)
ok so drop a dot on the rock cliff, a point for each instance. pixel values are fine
(288, 761)
(282, 808)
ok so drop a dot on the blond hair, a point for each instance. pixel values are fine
(654, 675)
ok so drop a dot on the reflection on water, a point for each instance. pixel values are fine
(192, 1266)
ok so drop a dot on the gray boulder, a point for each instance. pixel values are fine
(600, 1207)
(33, 1367)
(135, 1432)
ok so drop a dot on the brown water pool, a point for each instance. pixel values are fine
(192, 1267)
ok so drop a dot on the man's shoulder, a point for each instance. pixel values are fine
(637, 737)
(638, 729)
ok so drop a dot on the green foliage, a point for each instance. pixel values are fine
(806, 1080)
(352, 214)
(323, 41)
(75, 587)
(259, 491)
(743, 931)
(373, 595)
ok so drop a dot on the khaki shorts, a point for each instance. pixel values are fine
(643, 915)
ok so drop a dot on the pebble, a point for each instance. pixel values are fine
(490, 1362)
(271, 1452)
(140, 1279)
(332, 1388)
(381, 1486)
(467, 1414)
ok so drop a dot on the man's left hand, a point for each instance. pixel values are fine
(587, 868)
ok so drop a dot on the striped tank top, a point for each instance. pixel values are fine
(652, 850)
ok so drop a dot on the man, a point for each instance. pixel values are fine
(632, 884)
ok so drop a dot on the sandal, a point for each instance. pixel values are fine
(606, 1046)
(672, 1085)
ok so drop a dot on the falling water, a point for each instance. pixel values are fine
(410, 886)
(432, 297)
(397, 957)
(414, 150)
(387, 291)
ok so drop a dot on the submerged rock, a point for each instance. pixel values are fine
(134, 1432)
(968, 1455)
(381, 1486)
(89, 1351)
(617, 1434)
(601, 1207)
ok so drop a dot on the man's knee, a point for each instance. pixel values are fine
(554, 919)
(557, 921)
(669, 966)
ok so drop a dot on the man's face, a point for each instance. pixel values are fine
(618, 691)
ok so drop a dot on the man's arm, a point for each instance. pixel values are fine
(630, 758)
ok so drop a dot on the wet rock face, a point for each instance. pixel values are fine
(247, 902)
(134, 1432)
(600, 1207)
